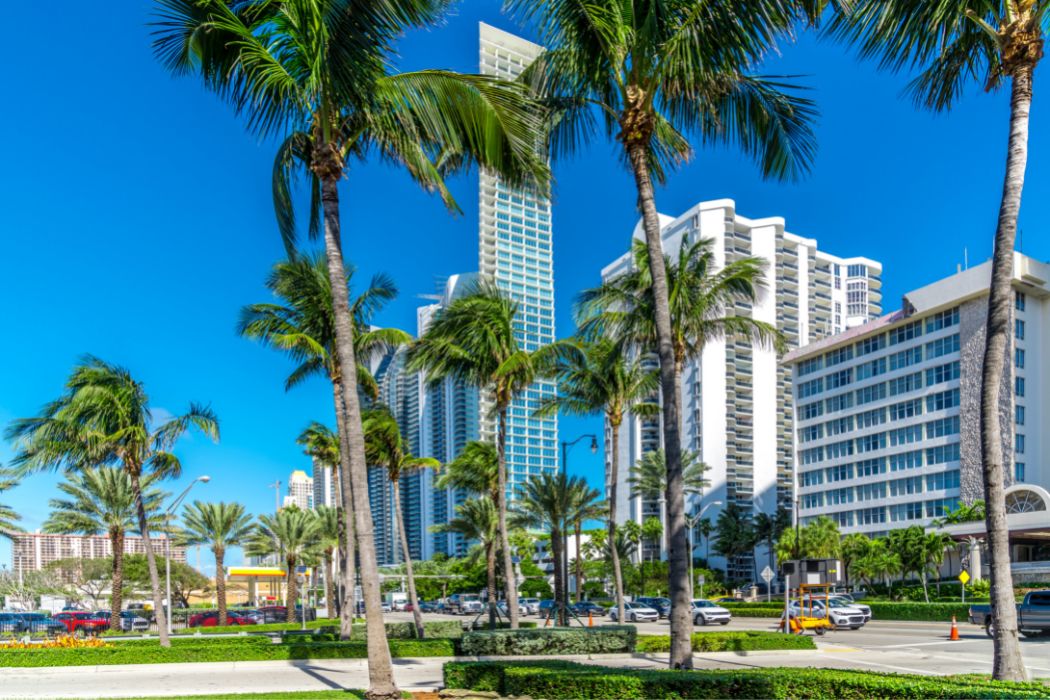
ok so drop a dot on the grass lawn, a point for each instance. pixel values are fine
(291, 695)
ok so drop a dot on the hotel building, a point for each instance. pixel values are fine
(32, 551)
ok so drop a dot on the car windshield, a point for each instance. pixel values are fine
(703, 604)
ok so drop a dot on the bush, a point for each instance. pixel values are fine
(926, 612)
(749, 640)
(558, 640)
(563, 679)
(218, 649)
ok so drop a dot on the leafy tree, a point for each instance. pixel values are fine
(585, 506)
(26, 588)
(698, 304)
(647, 477)
(734, 532)
(219, 526)
(87, 579)
(963, 513)
(186, 582)
(768, 528)
(302, 323)
(955, 43)
(548, 502)
(329, 535)
(102, 502)
(819, 539)
(910, 545)
(316, 74)
(704, 528)
(652, 532)
(473, 340)
(104, 418)
(878, 563)
(855, 546)
(936, 545)
(477, 521)
(385, 448)
(290, 534)
(598, 377)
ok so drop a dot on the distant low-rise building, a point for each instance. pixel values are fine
(32, 551)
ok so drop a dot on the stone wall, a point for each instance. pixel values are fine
(972, 318)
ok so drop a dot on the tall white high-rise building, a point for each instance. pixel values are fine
(300, 490)
(515, 252)
(887, 415)
(326, 491)
(736, 397)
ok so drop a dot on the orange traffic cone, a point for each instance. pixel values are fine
(547, 622)
(590, 619)
(954, 635)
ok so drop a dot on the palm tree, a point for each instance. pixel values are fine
(8, 516)
(953, 43)
(290, 534)
(219, 526)
(316, 74)
(323, 446)
(647, 477)
(598, 377)
(855, 546)
(734, 532)
(768, 529)
(101, 501)
(104, 418)
(548, 502)
(385, 448)
(704, 528)
(654, 73)
(302, 323)
(329, 538)
(476, 520)
(652, 531)
(585, 506)
(473, 340)
(963, 513)
(936, 546)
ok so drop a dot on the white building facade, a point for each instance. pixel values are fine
(737, 410)
(300, 490)
(887, 415)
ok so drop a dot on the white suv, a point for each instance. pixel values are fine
(635, 612)
(707, 613)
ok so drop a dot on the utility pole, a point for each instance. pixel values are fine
(276, 486)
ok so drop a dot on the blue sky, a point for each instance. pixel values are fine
(137, 221)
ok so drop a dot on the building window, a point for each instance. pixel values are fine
(814, 478)
(868, 394)
(942, 427)
(905, 333)
(812, 410)
(942, 346)
(942, 373)
(905, 384)
(840, 402)
(869, 419)
(871, 369)
(905, 460)
(870, 345)
(935, 509)
(839, 356)
(906, 435)
(1019, 415)
(906, 487)
(906, 358)
(942, 400)
(942, 481)
(942, 454)
(1019, 301)
(839, 379)
(813, 386)
(857, 271)
(809, 366)
(1019, 444)
(1019, 471)
(1019, 329)
(1019, 358)
(906, 409)
(872, 467)
(906, 511)
(870, 443)
(839, 426)
(1019, 386)
(944, 319)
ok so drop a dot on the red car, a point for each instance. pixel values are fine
(211, 619)
(80, 623)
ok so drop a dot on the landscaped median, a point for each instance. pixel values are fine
(880, 610)
(557, 680)
(748, 640)
(607, 639)
(394, 630)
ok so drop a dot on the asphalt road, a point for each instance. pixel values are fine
(902, 647)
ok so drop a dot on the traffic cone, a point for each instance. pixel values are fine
(590, 619)
(954, 636)
(547, 622)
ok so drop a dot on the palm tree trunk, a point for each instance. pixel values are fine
(151, 561)
(679, 589)
(611, 480)
(291, 591)
(116, 586)
(329, 587)
(380, 669)
(579, 563)
(399, 518)
(220, 583)
(346, 495)
(490, 570)
(509, 582)
(559, 581)
(1007, 663)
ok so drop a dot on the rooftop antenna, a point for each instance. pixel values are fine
(966, 258)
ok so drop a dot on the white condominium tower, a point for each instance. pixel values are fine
(515, 252)
(888, 414)
(300, 490)
(736, 398)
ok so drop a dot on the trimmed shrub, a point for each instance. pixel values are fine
(557, 640)
(748, 640)
(483, 624)
(562, 679)
(926, 612)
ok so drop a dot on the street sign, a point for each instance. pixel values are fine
(964, 577)
(701, 580)
(767, 574)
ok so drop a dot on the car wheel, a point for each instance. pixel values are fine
(633, 617)
(1031, 633)
(989, 628)
(855, 627)
(820, 631)
(725, 622)
(701, 620)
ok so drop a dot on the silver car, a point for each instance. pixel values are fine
(635, 612)
(707, 613)
(532, 605)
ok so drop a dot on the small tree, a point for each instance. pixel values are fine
(290, 534)
(219, 526)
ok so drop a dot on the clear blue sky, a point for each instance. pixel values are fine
(137, 221)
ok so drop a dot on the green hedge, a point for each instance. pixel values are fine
(749, 640)
(556, 680)
(927, 612)
(195, 651)
(607, 639)
(451, 629)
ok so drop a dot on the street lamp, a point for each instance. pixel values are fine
(692, 522)
(167, 541)
(565, 445)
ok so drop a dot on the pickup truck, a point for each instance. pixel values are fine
(1033, 615)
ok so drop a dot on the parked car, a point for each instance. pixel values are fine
(386, 607)
(81, 623)
(211, 619)
(279, 613)
(532, 605)
(660, 605)
(10, 623)
(842, 616)
(463, 604)
(37, 623)
(131, 621)
(707, 613)
(847, 601)
(428, 606)
(1033, 615)
(586, 607)
(635, 612)
(522, 609)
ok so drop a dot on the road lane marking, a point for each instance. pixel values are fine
(926, 644)
(905, 669)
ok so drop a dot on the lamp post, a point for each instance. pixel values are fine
(692, 522)
(167, 542)
(565, 445)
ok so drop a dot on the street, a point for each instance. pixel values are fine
(901, 647)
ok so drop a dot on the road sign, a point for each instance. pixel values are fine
(964, 577)
(767, 574)
(701, 580)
